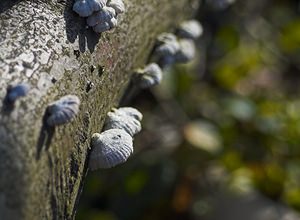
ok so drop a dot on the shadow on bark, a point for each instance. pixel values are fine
(45, 137)
(76, 27)
(82, 181)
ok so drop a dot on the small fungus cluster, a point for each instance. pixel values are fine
(102, 15)
(115, 144)
(179, 47)
(170, 49)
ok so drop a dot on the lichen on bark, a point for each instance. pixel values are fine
(45, 44)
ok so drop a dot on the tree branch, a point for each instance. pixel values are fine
(45, 44)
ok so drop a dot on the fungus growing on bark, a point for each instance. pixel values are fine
(63, 110)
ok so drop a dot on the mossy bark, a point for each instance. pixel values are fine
(44, 43)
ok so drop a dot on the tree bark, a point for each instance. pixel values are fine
(47, 45)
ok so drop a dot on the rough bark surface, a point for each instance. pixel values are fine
(43, 43)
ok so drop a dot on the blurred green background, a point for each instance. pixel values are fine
(220, 132)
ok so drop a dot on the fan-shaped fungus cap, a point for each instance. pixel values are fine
(63, 110)
(127, 119)
(191, 29)
(187, 51)
(149, 76)
(110, 148)
(86, 7)
(118, 5)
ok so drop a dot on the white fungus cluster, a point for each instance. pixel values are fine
(149, 76)
(102, 15)
(115, 145)
(191, 29)
(126, 118)
(179, 48)
(170, 49)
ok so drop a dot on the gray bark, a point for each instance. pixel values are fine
(43, 43)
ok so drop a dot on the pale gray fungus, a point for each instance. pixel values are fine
(129, 111)
(170, 50)
(86, 8)
(102, 27)
(150, 76)
(187, 51)
(105, 26)
(191, 29)
(166, 49)
(127, 119)
(16, 92)
(104, 15)
(63, 110)
(103, 20)
(166, 37)
(110, 148)
(113, 22)
(167, 45)
(118, 5)
(101, 15)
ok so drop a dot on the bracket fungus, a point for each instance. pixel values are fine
(63, 110)
(166, 49)
(171, 49)
(86, 8)
(129, 111)
(187, 51)
(149, 76)
(118, 5)
(127, 119)
(110, 148)
(102, 20)
(191, 29)
(115, 144)
(101, 15)
(15, 92)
